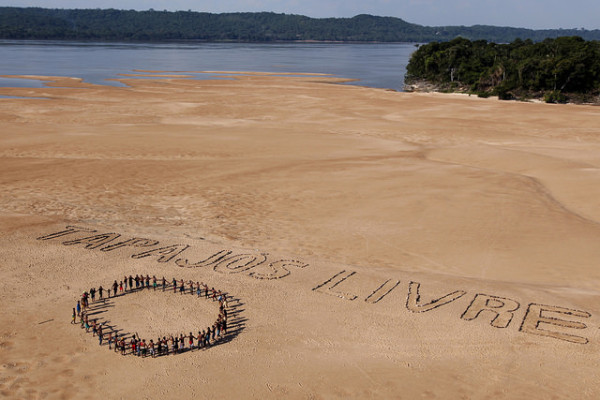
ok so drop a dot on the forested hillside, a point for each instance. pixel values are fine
(557, 70)
(122, 25)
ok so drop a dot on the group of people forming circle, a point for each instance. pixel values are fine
(167, 345)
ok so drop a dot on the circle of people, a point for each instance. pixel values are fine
(167, 345)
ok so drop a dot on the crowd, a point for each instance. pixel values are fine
(135, 345)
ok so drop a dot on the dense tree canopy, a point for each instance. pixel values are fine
(110, 24)
(556, 69)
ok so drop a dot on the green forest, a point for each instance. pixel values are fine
(556, 70)
(130, 25)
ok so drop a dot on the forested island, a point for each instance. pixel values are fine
(565, 69)
(130, 25)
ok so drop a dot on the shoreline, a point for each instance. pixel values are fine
(426, 87)
(53, 81)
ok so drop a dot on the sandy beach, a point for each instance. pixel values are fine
(375, 244)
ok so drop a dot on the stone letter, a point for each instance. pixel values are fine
(133, 242)
(166, 253)
(213, 259)
(502, 307)
(332, 282)
(413, 299)
(380, 291)
(534, 317)
(70, 229)
(239, 263)
(278, 269)
(91, 242)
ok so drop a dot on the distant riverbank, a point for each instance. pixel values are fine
(265, 27)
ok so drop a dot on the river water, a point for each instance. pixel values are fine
(374, 65)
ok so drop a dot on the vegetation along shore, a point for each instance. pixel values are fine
(565, 69)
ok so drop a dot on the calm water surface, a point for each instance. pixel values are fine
(375, 65)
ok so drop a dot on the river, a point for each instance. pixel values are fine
(374, 65)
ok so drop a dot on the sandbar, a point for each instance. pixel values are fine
(378, 244)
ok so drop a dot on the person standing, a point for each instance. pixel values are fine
(207, 342)
(151, 348)
(84, 300)
(191, 341)
(101, 292)
(115, 287)
(181, 343)
(100, 336)
(74, 317)
(164, 283)
(78, 307)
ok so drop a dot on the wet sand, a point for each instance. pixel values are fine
(376, 244)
